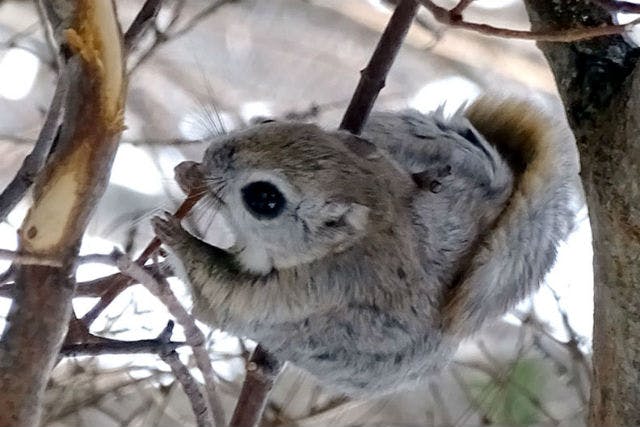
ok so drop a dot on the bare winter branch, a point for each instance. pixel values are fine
(5, 277)
(26, 259)
(452, 18)
(191, 389)
(142, 22)
(460, 7)
(35, 161)
(262, 370)
(195, 338)
(99, 346)
(90, 288)
(373, 77)
(171, 33)
(120, 283)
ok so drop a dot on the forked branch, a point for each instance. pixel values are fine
(453, 18)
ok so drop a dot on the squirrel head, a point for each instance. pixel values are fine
(294, 193)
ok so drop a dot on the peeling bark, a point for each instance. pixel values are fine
(599, 83)
(65, 194)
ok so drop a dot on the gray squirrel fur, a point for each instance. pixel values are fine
(392, 247)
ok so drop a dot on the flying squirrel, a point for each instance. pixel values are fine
(366, 259)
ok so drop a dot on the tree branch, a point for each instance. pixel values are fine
(191, 389)
(35, 161)
(120, 283)
(460, 7)
(90, 288)
(452, 18)
(27, 259)
(6, 276)
(373, 77)
(164, 36)
(96, 346)
(262, 370)
(141, 23)
(195, 338)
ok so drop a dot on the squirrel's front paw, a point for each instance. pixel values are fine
(169, 230)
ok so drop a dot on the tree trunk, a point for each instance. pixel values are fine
(65, 194)
(599, 83)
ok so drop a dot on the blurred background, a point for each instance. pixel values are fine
(213, 66)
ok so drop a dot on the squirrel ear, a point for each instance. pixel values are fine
(340, 215)
(359, 145)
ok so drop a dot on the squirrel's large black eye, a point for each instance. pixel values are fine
(263, 199)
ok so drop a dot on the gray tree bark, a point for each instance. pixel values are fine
(599, 83)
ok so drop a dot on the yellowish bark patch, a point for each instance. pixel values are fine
(47, 221)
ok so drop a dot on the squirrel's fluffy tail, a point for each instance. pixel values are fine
(513, 256)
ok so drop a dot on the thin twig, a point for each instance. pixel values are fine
(576, 377)
(439, 401)
(35, 161)
(506, 376)
(160, 345)
(572, 346)
(98, 287)
(63, 408)
(262, 370)
(95, 288)
(22, 259)
(167, 35)
(191, 389)
(141, 23)
(198, 17)
(569, 35)
(194, 336)
(459, 378)
(165, 141)
(48, 36)
(16, 139)
(19, 35)
(123, 282)
(7, 276)
(460, 7)
(373, 77)
(503, 380)
(483, 395)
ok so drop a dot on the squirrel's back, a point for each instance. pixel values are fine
(499, 189)
(462, 182)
